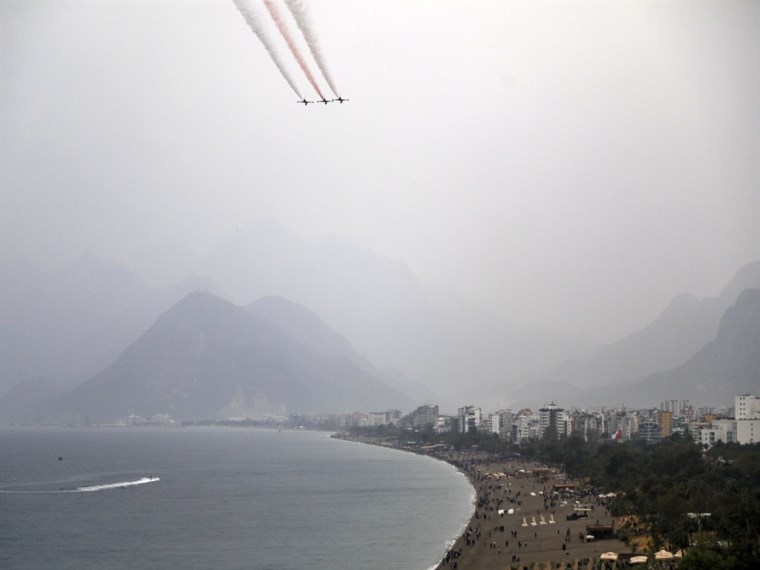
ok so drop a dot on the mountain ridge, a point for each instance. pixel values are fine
(206, 357)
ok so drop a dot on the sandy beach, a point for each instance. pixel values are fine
(520, 518)
(518, 523)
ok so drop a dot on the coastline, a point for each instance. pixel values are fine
(517, 522)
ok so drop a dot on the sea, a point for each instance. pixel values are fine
(221, 498)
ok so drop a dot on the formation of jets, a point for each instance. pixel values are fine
(323, 100)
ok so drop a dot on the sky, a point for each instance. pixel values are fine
(569, 164)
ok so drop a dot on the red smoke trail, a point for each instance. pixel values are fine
(252, 19)
(291, 44)
(300, 13)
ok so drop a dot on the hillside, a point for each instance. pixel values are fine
(432, 336)
(687, 325)
(727, 366)
(206, 357)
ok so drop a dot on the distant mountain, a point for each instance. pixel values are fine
(724, 368)
(309, 329)
(683, 328)
(305, 326)
(70, 323)
(206, 357)
(438, 339)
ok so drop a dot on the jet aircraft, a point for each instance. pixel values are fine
(340, 99)
(323, 100)
(304, 101)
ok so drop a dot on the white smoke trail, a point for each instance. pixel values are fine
(282, 26)
(252, 19)
(300, 11)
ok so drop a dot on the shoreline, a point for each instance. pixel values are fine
(517, 522)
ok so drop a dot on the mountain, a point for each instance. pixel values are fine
(309, 329)
(70, 323)
(438, 339)
(724, 368)
(682, 329)
(306, 327)
(206, 357)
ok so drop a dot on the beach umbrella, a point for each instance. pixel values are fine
(638, 560)
(663, 555)
(609, 556)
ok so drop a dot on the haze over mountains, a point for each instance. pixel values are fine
(207, 358)
(687, 325)
(727, 366)
(68, 324)
(338, 312)
(724, 367)
(435, 339)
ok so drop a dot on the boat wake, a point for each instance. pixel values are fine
(85, 489)
(121, 485)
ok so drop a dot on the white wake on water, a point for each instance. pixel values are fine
(119, 485)
(84, 489)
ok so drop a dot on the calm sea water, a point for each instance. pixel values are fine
(226, 498)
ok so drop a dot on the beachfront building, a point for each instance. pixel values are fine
(490, 424)
(526, 426)
(424, 416)
(470, 418)
(505, 424)
(375, 419)
(445, 424)
(394, 417)
(553, 415)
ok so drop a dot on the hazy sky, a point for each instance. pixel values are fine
(571, 164)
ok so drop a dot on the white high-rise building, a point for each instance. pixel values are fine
(505, 424)
(747, 407)
(747, 431)
(469, 418)
(720, 430)
(551, 414)
(747, 414)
